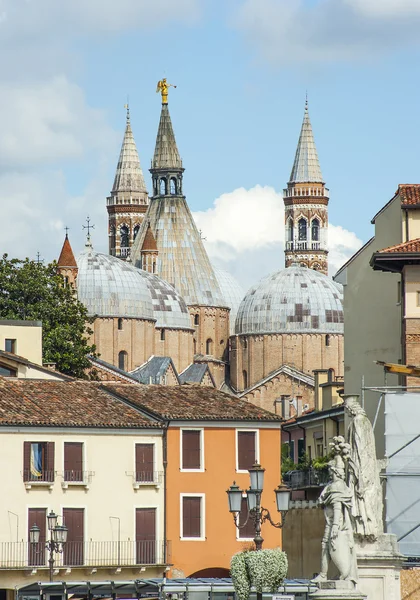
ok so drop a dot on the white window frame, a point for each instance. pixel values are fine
(202, 468)
(202, 537)
(155, 482)
(257, 447)
(85, 482)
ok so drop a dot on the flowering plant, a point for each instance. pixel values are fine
(264, 569)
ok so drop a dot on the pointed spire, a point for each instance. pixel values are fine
(166, 152)
(66, 258)
(129, 176)
(306, 167)
(149, 242)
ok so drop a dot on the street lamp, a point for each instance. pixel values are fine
(58, 537)
(256, 512)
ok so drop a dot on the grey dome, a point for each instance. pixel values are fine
(232, 293)
(293, 300)
(110, 287)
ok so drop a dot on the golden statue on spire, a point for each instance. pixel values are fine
(163, 87)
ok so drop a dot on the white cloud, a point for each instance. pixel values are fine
(327, 31)
(244, 233)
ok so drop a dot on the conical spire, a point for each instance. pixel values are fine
(166, 152)
(66, 258)
(129, 176)
(306, 167)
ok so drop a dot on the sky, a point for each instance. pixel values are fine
(242, 70)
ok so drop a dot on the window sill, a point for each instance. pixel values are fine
(192, 470)
(66, 484)
(141, 484)
(193, 539)
(46, 484)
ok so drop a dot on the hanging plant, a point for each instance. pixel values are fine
(263, 569)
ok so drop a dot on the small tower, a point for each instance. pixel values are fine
(149, 252)
(306, 206)
(128, 201)
(66, 264)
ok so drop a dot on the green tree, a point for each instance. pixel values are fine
(30, 291)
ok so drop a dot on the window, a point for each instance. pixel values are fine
(173, 186)
(73, 552)
(245, 378)
(73, 461)
(123, 360)
(244, 343)
(6, 372)
(327, 340)
(195, 346)
(291, 449)
(10, 345)
(246, 445)
(290, 230)
(38, 461)
(145, 536)
(418, 298)
(145, 463)
(247, 532)
(112, 240)
(124, 235)
(302, 229)
(319, 449)
(196, 320)
(315, 230)
(135, 231)
(192, 449)
(36, 552)
(120, 324)
(209, 346)
(162, 335)
(192, 517)
(301, 449)
(162, 187)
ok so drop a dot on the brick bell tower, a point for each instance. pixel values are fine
(306, 206)
(128, 201)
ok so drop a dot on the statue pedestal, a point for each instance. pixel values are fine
(379, 565)
(337, 590)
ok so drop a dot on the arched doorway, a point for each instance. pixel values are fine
(217, 572)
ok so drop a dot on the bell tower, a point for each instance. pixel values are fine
(306, 206)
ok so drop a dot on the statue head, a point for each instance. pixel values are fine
(353, 407)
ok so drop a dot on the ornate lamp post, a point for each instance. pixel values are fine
(256, 512)
(58, 537)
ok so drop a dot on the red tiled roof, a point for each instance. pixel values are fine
(66, 258)
(409, 193)
(149, 242)
(195, 403)
(65, 404)
(412, 246)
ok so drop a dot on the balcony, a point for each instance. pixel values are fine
(306, 479)
(128, 553)
(76, 478)
(45, 478)
(145, 478)
(293, 246)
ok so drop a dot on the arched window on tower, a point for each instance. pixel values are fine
(245, 379)
(112, 240)
(120, 324)
(124, 235)
(173, 189)
(209, 346)
(135, 231)
(162, 187)
(123, 360)
(302, 230)
(315, 230)
(290, 230)
(327, 340)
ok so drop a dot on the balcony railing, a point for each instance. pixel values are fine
(308, 478)
(128, 553)
(303, 245)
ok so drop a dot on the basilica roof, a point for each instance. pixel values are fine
(293, 300)
(232, 293)
(110, 287)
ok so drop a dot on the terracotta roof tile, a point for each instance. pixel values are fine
(65, 404)
(412, 246)
(66, 258)
(409, 193)
(149, 242)
(196, 403)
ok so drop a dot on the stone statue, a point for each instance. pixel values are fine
(336, 499)
(363, 474)
(163, 87)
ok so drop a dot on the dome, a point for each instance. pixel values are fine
(232, 293)
(110, 287)
(293, 300)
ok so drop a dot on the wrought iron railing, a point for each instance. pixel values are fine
(18, 555)
(307, 478)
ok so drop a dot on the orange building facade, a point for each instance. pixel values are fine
(203, 461)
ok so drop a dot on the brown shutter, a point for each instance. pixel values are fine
(246, 450)
(38, 517)
(26, 461)
(191, 451)
(73, 461)
(73, 519)
(191, 516)
(49, 462)
(145, 536)
(144, 462)
(249, 530)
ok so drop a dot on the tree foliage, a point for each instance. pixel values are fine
(31, 291)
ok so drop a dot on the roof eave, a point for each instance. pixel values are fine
(393, 262)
